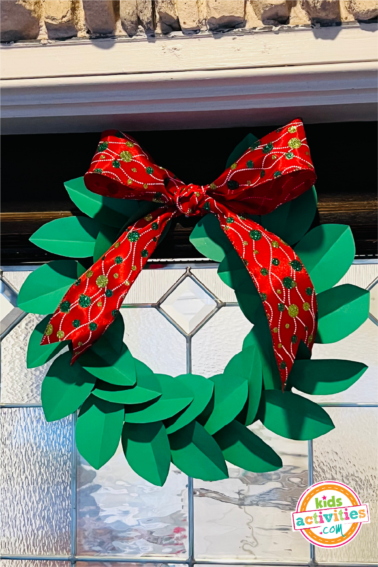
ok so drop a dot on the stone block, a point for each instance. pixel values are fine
(59, 18)
(188, 14)
(322, 11)
(19, 19)
(363, 9)
(272, 12)
(100, 16)
(225, 14)
(128, 13)
(146, 15)
(166, 16)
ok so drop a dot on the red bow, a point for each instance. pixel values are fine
(273, 171)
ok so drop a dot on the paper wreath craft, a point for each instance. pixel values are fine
(255, 220)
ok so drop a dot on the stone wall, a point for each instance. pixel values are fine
(61, 19)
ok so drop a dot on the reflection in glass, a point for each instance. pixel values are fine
(121, 514)
(248, 516)
(218, 341)
(154, 340)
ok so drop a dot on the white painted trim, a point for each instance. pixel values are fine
(199, 82)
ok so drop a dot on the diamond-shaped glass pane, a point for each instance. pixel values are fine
(8, 299)
(188, 305)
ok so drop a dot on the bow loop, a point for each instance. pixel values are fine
(273, 171)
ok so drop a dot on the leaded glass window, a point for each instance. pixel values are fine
(56, 510)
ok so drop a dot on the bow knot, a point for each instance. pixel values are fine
(189, 199)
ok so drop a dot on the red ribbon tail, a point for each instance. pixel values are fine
(93, 301)
(285, 288)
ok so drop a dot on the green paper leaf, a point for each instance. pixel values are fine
(82, 267)
(247, 364)
(70, 236)
(123, 395)
(292, 220)
(202, 390)
(323, 377)
(303, 352)
(174, 399)
(65, 388)
(244, 449)
(98, 430)
(249, 301)
(38, 354)
(44, 288)
(147, 450)
(327, 253)
(196, 453)
(260, 338)
(106, 210)
(341, 311)
(209, 239)
(240, 149)
(106, 237)
(110, 366)
(293, 416)
(113, 335)
(229, 399)
(232, 271)
(146, 389)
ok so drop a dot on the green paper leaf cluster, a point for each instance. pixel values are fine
(105, 210)
(196, 423)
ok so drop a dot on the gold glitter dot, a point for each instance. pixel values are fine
(145, 186)
(197, 194)
(274, 157)
(245, 243)
(275, 244)
(102, 156)
(129, 182)
(133, 268)
(213, 186)
(116, 245)
(126, 156)
(287, 326)
(99, 304)
(127, 282)
(89, 274)
(293, 310)
(148, 218)
(134, 170)
(102, 281)
(49, 330)
(79, 344)
(310, 338)
(245, 262)
(189, 210)
(60, 334)
(294, 284)
(306, 306)
(249, 182)
(115, 275)
(275, 330)
(307, 153)
(294, 143)
(279, 345)
(255, 251)
(226, 228)
(234, 166)
(279, 291)
(292, 129)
